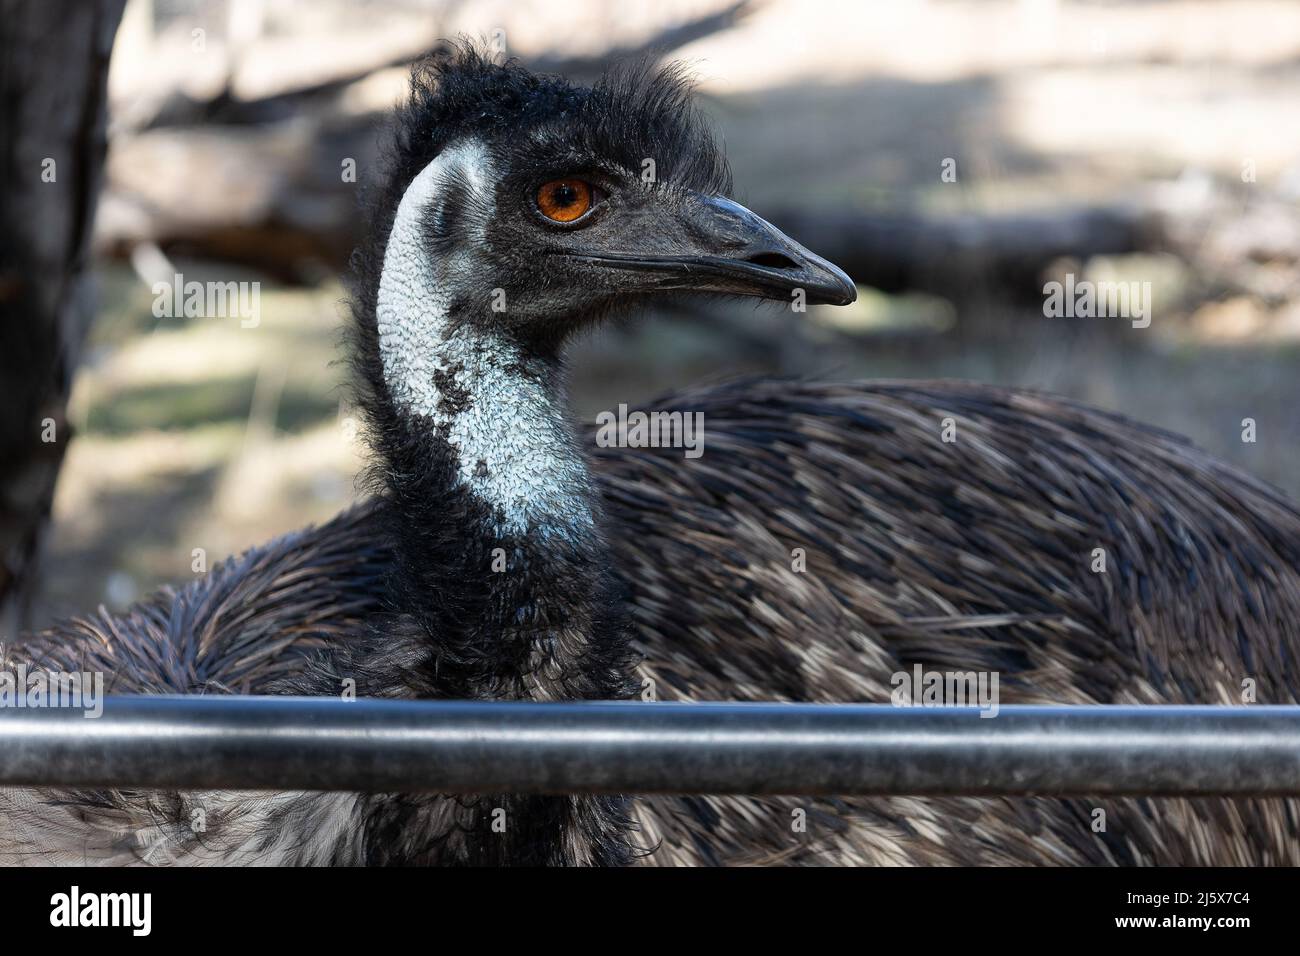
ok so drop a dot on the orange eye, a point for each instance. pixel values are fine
(564, 200)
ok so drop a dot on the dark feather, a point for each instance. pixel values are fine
(972, 555)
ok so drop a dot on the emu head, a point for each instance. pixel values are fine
(517, 209)
(527, 206)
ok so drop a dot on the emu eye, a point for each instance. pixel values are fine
(565, 200)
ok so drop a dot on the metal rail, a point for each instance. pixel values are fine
(277, 743)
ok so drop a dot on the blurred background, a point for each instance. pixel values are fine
(952, 155)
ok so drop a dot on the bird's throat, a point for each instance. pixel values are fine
(501, 559)
(497, 404)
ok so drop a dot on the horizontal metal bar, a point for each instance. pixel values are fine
(278, 743)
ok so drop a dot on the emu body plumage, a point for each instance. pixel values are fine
(973, 556)
(827, 539)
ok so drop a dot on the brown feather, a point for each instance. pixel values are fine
(968, 555)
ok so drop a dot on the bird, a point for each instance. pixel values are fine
(829, 537)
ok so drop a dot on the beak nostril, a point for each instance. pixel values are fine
(773, 259)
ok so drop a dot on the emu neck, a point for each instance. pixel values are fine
(497, 404)
(502, 578)
(502, 566)
(499, 416)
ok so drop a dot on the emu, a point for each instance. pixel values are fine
(629, 565)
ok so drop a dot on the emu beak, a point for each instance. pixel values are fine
(720, 246)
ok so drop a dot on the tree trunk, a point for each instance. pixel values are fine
(53, 78)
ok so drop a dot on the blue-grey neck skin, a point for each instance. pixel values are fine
(506, 425)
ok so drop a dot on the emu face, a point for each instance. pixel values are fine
(542, 206)
(576, 229)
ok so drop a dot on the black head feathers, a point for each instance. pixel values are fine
(638, 111)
